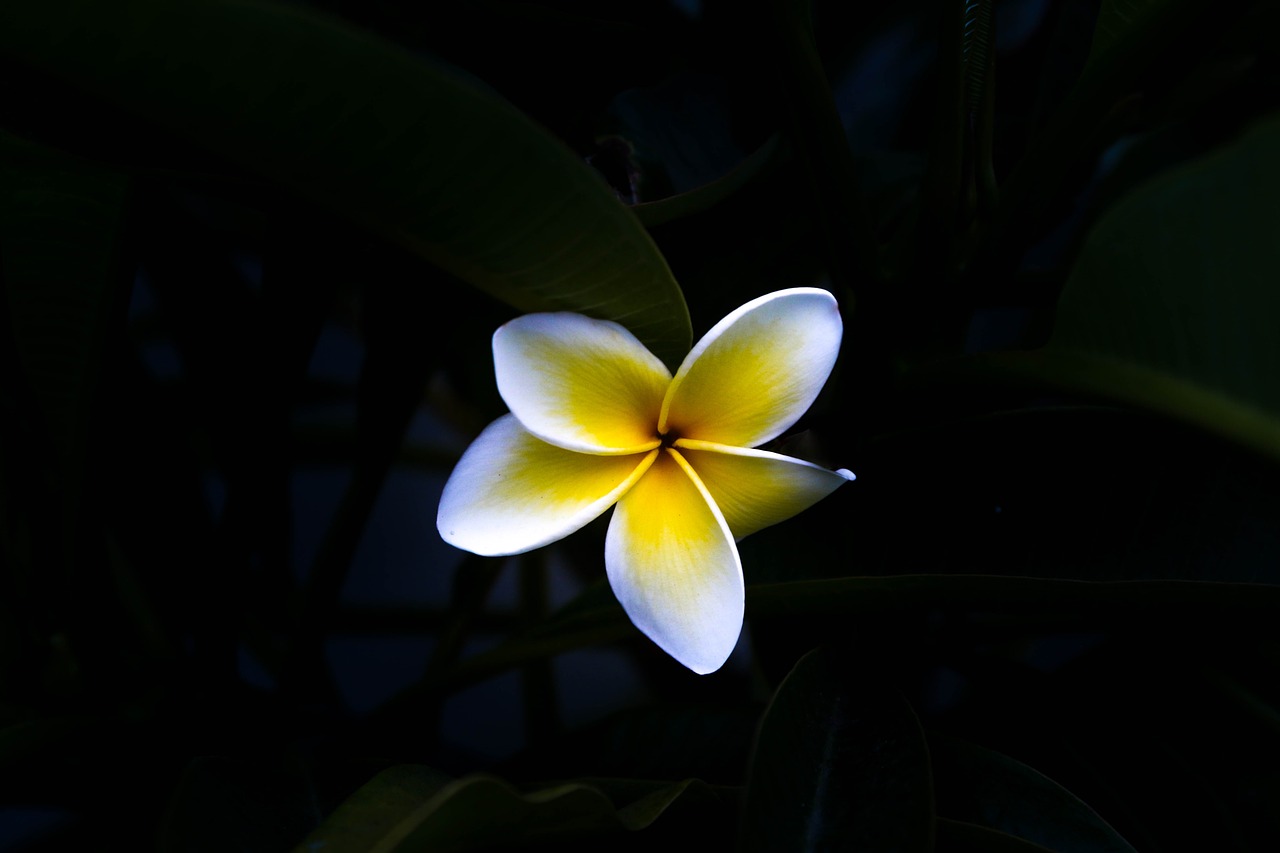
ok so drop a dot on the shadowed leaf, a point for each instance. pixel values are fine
(406, 147)
(61, 222)
(840, 764)
(981, 786)
(409, 809)
(1171, 305)
(1179, 278)
(958, 837)
(1119, 20)
(708, 195)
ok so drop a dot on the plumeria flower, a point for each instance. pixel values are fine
(597, 420)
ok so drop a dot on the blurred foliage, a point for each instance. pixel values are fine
(251, 255)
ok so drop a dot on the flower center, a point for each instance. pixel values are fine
(669, 437)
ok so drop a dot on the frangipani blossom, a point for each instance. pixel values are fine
(597, 420)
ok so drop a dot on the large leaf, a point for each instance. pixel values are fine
(956, 836)
(1179, 277)
(702, 198)
(407, 808)
(61, 223)
(1144, 55)
(408, 148)
(1121, 23)
(988, 788)
(840, 764)
(1172, 305)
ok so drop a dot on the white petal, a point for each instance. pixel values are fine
(511, 492)
(755, 488)
(674, 567)
(757, 371)
(580, 383)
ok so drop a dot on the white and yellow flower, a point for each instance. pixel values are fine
(597, 420)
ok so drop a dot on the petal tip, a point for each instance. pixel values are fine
(462, 542)
(701, 654)
(709, 666)
(847, 474)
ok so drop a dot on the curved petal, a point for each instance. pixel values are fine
(757, 371)
(672, 564)
(755, 489)
(511, 492)
(582, 384)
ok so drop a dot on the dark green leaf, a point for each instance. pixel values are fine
(1171, 305)
(1141, 50)
(373, 812)
(61, 223)
(958, 837)
(840, 764)
(406, 810)
(1121, 20)
(1172, 302)
(708, 195)
(401, 145)
(988, 788)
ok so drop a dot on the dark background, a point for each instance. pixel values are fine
(228, 403)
